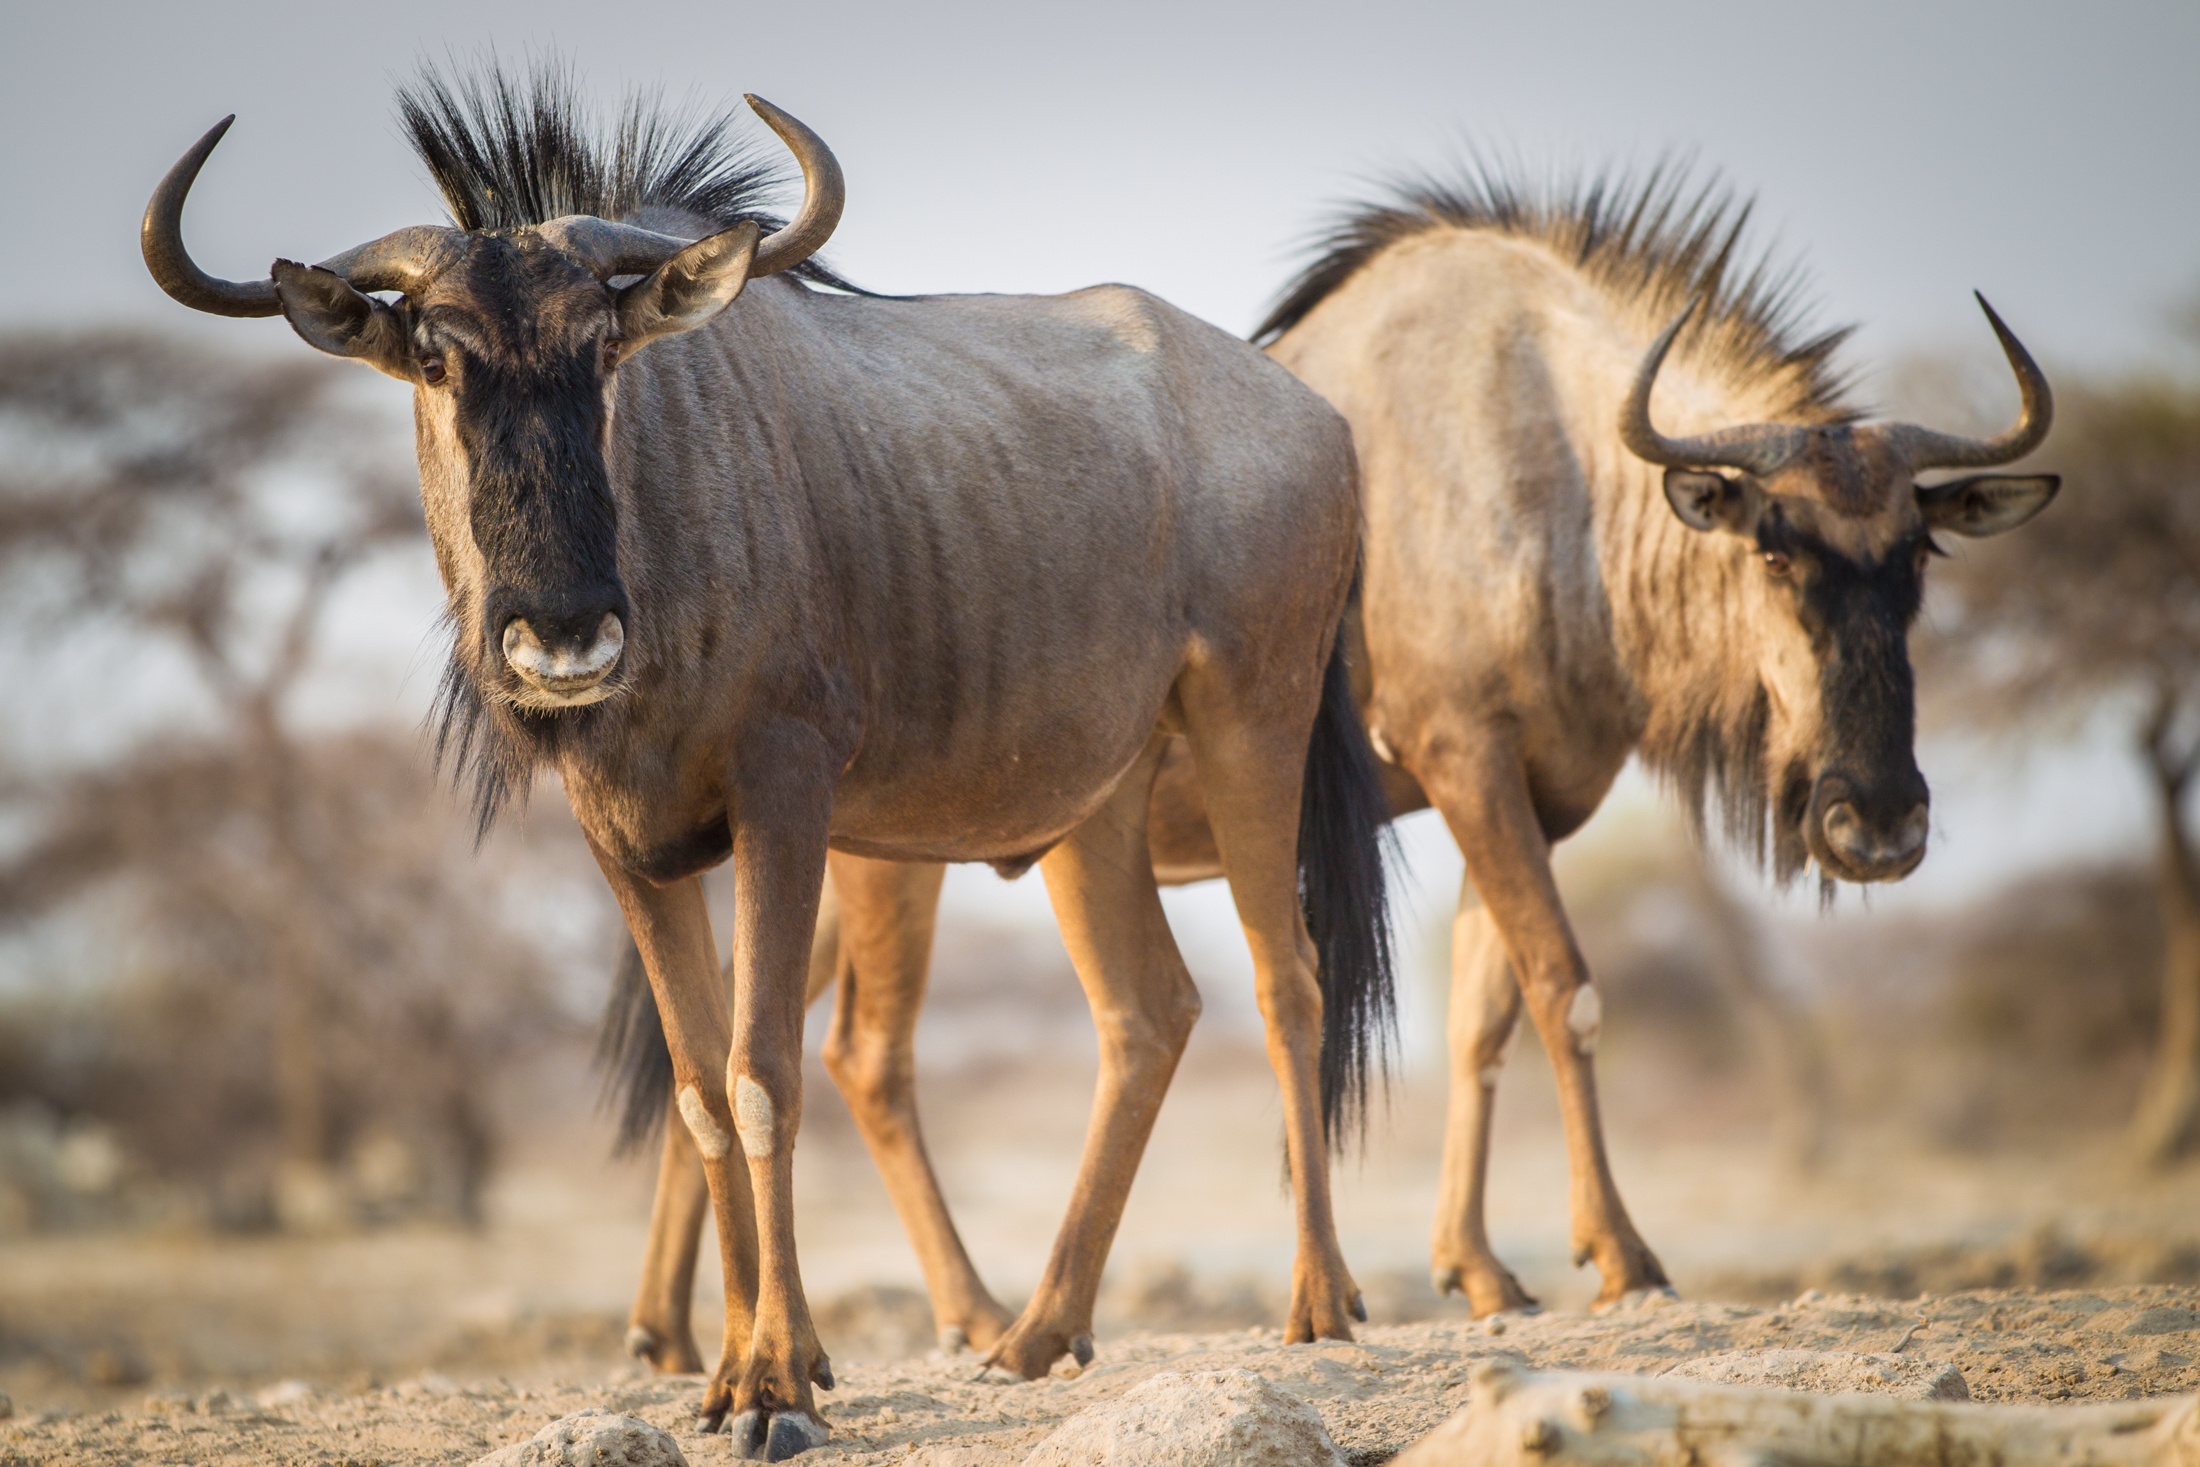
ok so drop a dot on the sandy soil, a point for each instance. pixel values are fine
(434, 1345)
(1377, 1395)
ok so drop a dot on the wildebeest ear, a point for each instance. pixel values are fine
(1708, 501)
(688, 289)
(1987, 504)
(322, 308)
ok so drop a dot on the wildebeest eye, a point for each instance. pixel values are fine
(1778, 563)
(611, 350)
(431, 371)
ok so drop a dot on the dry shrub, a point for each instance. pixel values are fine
(299, 985)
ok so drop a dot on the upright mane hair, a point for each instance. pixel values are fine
(507, 152)
(1651, 244)
(511, 151)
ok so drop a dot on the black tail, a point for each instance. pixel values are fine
(1344, 821)
(632, 1053)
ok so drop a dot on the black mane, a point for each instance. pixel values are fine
(507, 152)
(1654, 242)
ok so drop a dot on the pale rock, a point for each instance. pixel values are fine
(1831, 1372)
(284, 1393)
(1519, 1418)
(1220, 1418)
(591, 1438)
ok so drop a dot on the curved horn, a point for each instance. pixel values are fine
(1926, 449)
(173, 269)
(396, 261)
(1758, 448)
(824, 194)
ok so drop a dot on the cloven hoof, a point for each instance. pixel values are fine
(757, 1438)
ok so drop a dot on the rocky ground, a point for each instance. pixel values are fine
(2047, 1272)
(1376, 1395)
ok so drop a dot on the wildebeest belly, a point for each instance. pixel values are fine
(1010, 777)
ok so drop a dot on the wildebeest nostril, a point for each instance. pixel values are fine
(564, 667)
(1890, 852)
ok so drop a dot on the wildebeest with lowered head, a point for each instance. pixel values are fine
(763, 572)
(1540, 602)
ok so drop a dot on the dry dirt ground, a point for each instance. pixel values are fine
(2041, 1272)
(1376, 1395)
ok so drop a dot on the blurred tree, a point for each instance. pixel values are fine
(326, 960)
(2099, 605)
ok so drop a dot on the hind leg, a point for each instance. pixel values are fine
(1100, 879)
(1252, 773)
(657, 1329)
(1485, 1014)
(887, 913)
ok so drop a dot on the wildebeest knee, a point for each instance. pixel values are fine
(1292, 1002)
(865, 1075)
(1154, 1037)
(1568, 1006)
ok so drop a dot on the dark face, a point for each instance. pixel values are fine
(1856, 797)
(522, 344)
(1840, 539)
(511, 345)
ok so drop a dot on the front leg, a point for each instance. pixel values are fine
(671, 929)
(781, 813)
(1478, 779)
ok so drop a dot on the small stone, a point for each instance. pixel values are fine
(1220, 1418)
(591, 1438)
(284, 1393)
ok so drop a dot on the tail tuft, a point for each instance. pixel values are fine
(633, 1056)
(1344, 828)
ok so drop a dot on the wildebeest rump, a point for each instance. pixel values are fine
(1539, 605)
(912, 579)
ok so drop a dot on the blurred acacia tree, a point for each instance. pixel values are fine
(321, 962)
(2099, 605)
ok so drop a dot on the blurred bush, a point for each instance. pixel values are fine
(291, 986)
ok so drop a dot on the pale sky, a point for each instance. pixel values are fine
(1910, 152)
